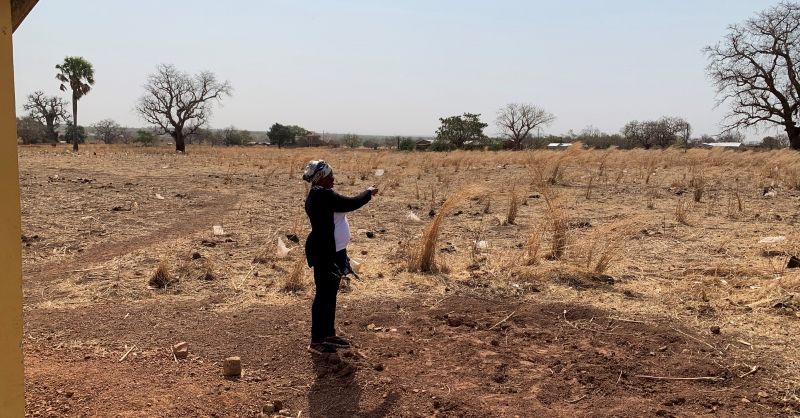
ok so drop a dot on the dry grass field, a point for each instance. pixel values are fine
(542, 283)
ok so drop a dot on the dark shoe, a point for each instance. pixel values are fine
(321, 348)
(337, 342)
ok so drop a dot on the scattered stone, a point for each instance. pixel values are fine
(770, 192)
(281, 251)
(454, 321)
(180, 350)
(278, 405)
(432, 213)
(207, 243)
(26, 239)
(268, 408)
(675, 401)
(411, 216)
(450, 248)
(370, 234)
(715, 329)
(218, 230)
(604, 278)
(364, 252)
(159, 197)
(579, 224)
(232, 367)
(378, 367)
(120, 209)
(293, 238)
(196, 255)
(772, 240)
(793, 263)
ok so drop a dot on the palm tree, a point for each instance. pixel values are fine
(79, 74)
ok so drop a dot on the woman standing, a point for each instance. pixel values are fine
(321, 204)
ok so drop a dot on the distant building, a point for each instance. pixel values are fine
(422, 144)
(734, 145)
(311, 139)
(559, 145)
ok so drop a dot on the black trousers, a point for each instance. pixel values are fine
(323, 309)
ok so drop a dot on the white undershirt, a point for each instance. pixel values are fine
(341, 230)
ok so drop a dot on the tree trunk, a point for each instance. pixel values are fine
(180, 145)
(794, 137)
(74, 124)
(52, 135)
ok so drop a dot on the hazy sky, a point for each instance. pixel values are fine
(392, 67)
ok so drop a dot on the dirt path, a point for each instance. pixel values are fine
(185, 225)
(458, 358)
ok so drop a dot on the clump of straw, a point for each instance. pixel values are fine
(422, 257)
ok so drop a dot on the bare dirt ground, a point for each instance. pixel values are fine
(663, 302)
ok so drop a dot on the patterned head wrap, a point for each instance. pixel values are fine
(316, 170)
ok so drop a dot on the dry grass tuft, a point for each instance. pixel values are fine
(558, 225)
(162, 277)
(534, 245)
(513, 207)
(422, 257)
(267, 253)
(294, 282)
(682, 211)
(698, 183)
(207, 270)
(607, 245)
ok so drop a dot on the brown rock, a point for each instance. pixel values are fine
(180, 350)
(232, 367)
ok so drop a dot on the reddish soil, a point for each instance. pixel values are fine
(545, 360)
(500, 335)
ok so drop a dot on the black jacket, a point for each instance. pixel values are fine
(321, 203)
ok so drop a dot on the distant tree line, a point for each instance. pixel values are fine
(754, 69)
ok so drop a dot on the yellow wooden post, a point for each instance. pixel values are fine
(12, 389)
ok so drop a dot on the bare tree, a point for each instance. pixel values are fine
(755, 69)
(49, 110)
(517, 120)
(178, 104)
(108, 131)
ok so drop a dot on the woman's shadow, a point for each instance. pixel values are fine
(336, 391)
